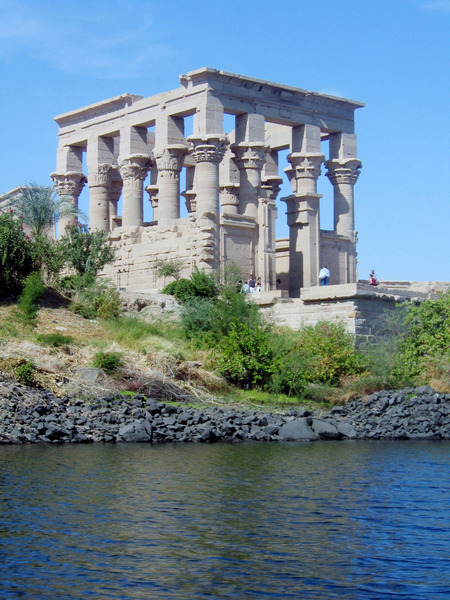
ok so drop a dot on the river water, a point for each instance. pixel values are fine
(352, 520)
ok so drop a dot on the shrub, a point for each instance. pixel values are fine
(16, 258)
(110, 362)
(204, 284)
(29, 298)
(198, 321)
(244, 356)
(98, 299)
(169, 268)
(427, 337)
(86, 251)
(322, 354)
(206, 321)
(182, 290)
(199, 285)
(25, 372)
(54, 340)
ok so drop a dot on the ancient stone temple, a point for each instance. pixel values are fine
(137, 149)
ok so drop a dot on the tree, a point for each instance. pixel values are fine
(427, 336)
(16, 257)
(86, 251)
(40, 208)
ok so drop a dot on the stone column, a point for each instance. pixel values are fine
(303, 217)
(114, 194)
(250, 158)
(169, 161)
(99, 181)
(68, 187)
(229, 198)
(152, 191)
(267, 214)
(208, 153)
(133, 170)
(343, 174)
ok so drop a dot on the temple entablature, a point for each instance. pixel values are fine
(207, 154)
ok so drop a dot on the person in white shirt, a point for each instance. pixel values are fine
(324, 276)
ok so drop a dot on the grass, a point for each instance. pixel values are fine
(154, 357)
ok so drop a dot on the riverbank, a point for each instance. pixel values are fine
(31, 415)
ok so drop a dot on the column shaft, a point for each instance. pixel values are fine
(169, 161)
(133, 170)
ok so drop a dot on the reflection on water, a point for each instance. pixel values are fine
(326, 520)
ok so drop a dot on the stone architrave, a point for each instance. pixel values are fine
(169, 161)
(250, 159)
(99, 182)
(133, 170)
(343, 174)
(68, 187)
(303, 220)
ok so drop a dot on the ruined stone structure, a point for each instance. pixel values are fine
(231, 178)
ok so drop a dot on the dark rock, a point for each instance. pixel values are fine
(296, 430)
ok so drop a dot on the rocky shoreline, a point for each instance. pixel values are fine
(29, 415)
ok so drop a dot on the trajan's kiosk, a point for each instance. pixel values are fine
(232, 181)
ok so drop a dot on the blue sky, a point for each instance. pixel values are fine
(393, 55)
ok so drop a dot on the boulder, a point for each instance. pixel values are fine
(136, 431)
(296, 430)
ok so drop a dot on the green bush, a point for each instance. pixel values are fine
(25, 372)
(182, 290)
(206, 321)
(98, 299)
(110, 362)
(427, 337)
(322, 354)
(32, 292)
(86, 251)
(169, 268)
(199, 285)
(198, 321)
(204, 284)
(244, 356)
(54, 340)
(16, 256)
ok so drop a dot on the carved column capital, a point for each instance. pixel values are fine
(115, 189)
(135, 166)
(69, 184)
(270, 187)
(304, 165)
(343, 171)
(170, 158)
(229, 197)
(152, 191)
(208, 148)
(102, 176)
(251, 155)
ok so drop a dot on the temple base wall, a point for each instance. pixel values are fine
(360, 307)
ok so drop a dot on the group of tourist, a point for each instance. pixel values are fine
(255, 285)
(252, 285)
(324, 277)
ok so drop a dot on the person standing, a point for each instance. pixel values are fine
(324, 276)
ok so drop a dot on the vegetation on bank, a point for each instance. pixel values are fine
(220, 350)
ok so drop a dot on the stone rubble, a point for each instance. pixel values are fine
(29, 415)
